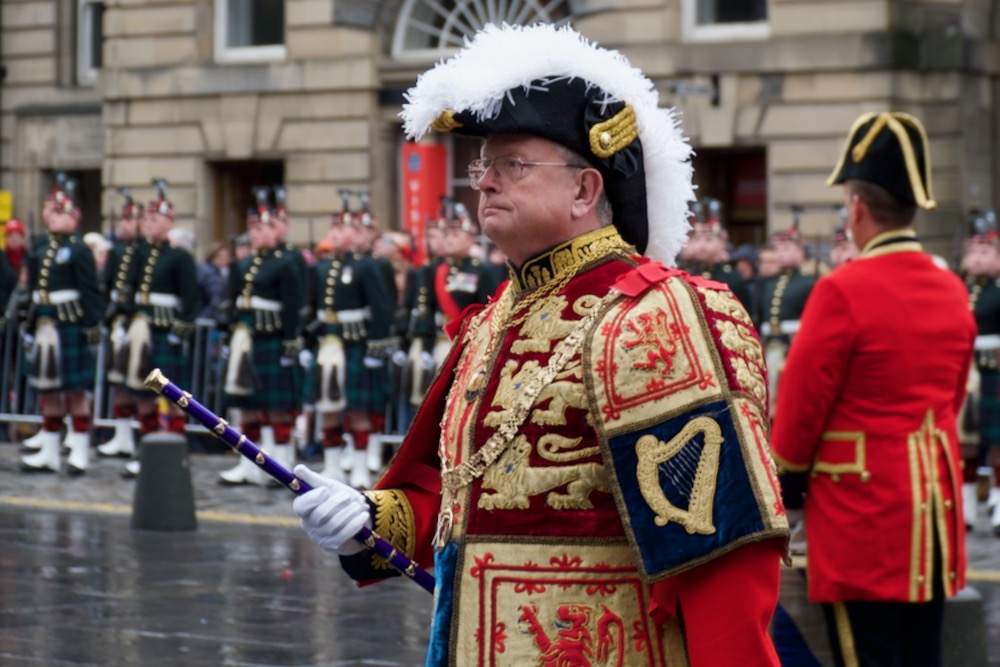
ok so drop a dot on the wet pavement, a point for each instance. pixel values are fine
(79, 586)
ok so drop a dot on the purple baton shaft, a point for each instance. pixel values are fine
(159, 383)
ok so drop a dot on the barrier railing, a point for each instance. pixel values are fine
(19, 401)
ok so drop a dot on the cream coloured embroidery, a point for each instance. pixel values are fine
(565, 392)
(515, 480)
(727, 304)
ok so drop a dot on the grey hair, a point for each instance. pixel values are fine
(605, 214)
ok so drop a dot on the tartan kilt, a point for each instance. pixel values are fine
(367, 388)
(77, 367)
(170, 359)
(989, 408)
(276, 387)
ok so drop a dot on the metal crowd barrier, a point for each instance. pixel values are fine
(19, 401)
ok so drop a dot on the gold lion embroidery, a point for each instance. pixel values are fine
(652, 452)
(516, 481)
(545, 325)
(566, 391)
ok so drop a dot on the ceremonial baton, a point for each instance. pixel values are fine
(220, 428)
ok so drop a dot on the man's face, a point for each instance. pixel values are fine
(790, 254)
(769, 263)
(128, 228)
(434, 238)
(982, 259)
(59, 221)
(157, 225)
(280, 225)
(364, 237)
(457, 243)
(343, 237)
(262, 236)
(533, 214)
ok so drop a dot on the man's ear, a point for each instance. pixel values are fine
(589, 186)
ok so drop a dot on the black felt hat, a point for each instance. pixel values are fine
(889, 149)
(550, 82)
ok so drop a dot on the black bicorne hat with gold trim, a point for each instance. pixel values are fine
(550, 82)
(889, 149)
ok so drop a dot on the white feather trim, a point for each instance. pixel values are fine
(499, 59)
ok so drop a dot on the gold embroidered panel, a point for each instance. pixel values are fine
(761, 470)
(533, 604)
(651, 358)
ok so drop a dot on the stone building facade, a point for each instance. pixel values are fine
(217, 96)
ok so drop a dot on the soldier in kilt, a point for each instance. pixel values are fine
(421, 329)
(706, 252)
(121, 278)
(63, 323)
(167, 301)
(368, 231)
(263, 305)
(783, 298)
(353, 310)
(979, 426)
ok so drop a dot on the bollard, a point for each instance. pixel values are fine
(164, 497)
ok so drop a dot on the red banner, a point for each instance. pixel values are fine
(424, 182)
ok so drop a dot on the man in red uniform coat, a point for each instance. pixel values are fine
(866, 412)
(590, 471)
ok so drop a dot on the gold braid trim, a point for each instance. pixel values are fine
(568, 258)
(861, 148)
(394, 521)
(611, 135)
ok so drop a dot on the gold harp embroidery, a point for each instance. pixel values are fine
(651, 452)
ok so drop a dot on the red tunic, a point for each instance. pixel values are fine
(867, 405)
(551, 558)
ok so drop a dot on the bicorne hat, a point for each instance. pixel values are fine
(889, 149)
(551, 82)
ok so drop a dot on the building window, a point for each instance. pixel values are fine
(89, 40)
(249, 30)
(724, 20)
(432, 28)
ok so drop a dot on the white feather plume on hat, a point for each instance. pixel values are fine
(499, 59)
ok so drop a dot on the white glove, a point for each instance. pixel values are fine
(29, 340)
(372, 362)
(399, 358)
(427, 361)
(305, 358)
(332, 513)
(174, 339)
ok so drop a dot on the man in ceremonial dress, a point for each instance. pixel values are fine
(865, 423)
(706, 251)
(979, 423)
(782, 298)
(63, 323)
(353, 307)
(120, 278)
(591, 467)
(424, 331)
(167, 301)
(264, 298)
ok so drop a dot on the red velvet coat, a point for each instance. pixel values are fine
(529, 554)
(867, 404)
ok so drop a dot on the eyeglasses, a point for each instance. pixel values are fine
(509, 168)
